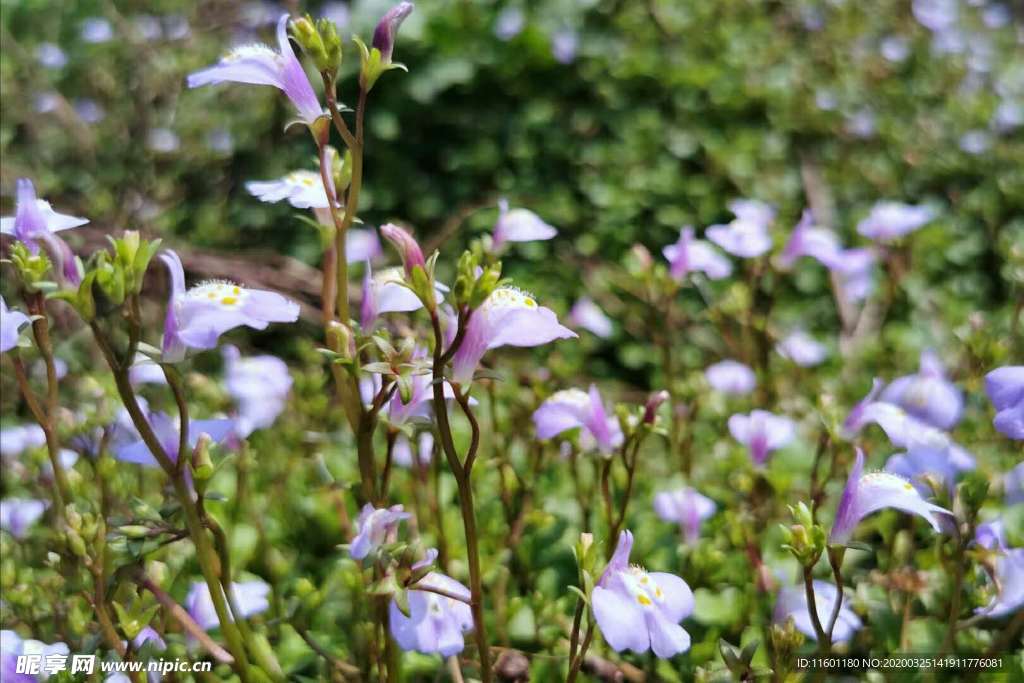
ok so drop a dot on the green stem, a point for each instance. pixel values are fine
(812, 608)
(462, 474)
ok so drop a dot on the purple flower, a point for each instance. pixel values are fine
(856, 273)
(942, 463)
(935, 15)
(436, 623)
(35, 221)
(808, 240)
(928, 395)
(17, 439)
(361, 245)
(385, 292)
(250, 596)
(509, 23)
(792, 603)
(747, 235)
(892, 220)
(802, 349)
(731, 377)
(12, 645)
(867, 493)
(762, 432)
(685, 507)
(1013, 485)
(637, 610)
(149, 635)
(145, 370)
(507, 318)
(519, 225)
(689, 255)
(407, 246)
(166, 430)
(572, 409)
(18, 514)
(374, 528)
(259, 385)
(10, 324)
(302, 189)
(384, 34)
(404, 454)
(902, 429)
(1009, 579)
(261, 65)
(1005, 388)
(197, 317)
(588, 315)
(564, 44)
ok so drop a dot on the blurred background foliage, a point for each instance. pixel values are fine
(615, 121)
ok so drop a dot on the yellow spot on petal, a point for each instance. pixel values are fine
(658, 593)
(229, 300)
(529, 303)
(908, 487)
(643, 600)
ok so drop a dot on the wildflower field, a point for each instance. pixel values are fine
(507, 341)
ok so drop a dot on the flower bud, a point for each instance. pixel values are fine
(406, 245)
(384, 34)
(202, 464)
(308, 38)
(653, 403)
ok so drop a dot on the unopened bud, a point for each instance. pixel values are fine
(653, 403)
(202, 463)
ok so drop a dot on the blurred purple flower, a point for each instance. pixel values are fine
(12, 645)
(975, 142)
(1009, 581)
(891, 220)
(261, 65)
(639, 610)
(198, 316)
(945, 464)
(519, 225)
(259, 386)
(802, 349)
(809, 240)
(17, 439)
(375, 527)
(89, 110)
(855, 269)
(861, 123)
(762, 432)
(404, 454)
(687, 508)
(868, 493)
(145, 370)
(588, 315)
(792, 603)
(507, 318)
(51, 56)
(1013, 485)
(97, 30)
(927, 395)
(436, 623)
(731, 377)
(564, 44)
(250, 596)
(935, 15)
(1005, 388)
(689, 255)
(747, 235)
(509, 23)
(10, 326)
(166, 429)
(903, 429)
(18, 514)
(895, 48)
(574, 408)
(384, 34)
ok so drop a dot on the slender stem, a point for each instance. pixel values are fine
(949, 642)
(185, 619)
(208, 563)
(462, 477)
(61, 492)
(342, 666)
(576, 664)
(812, 609)
(835, 558)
